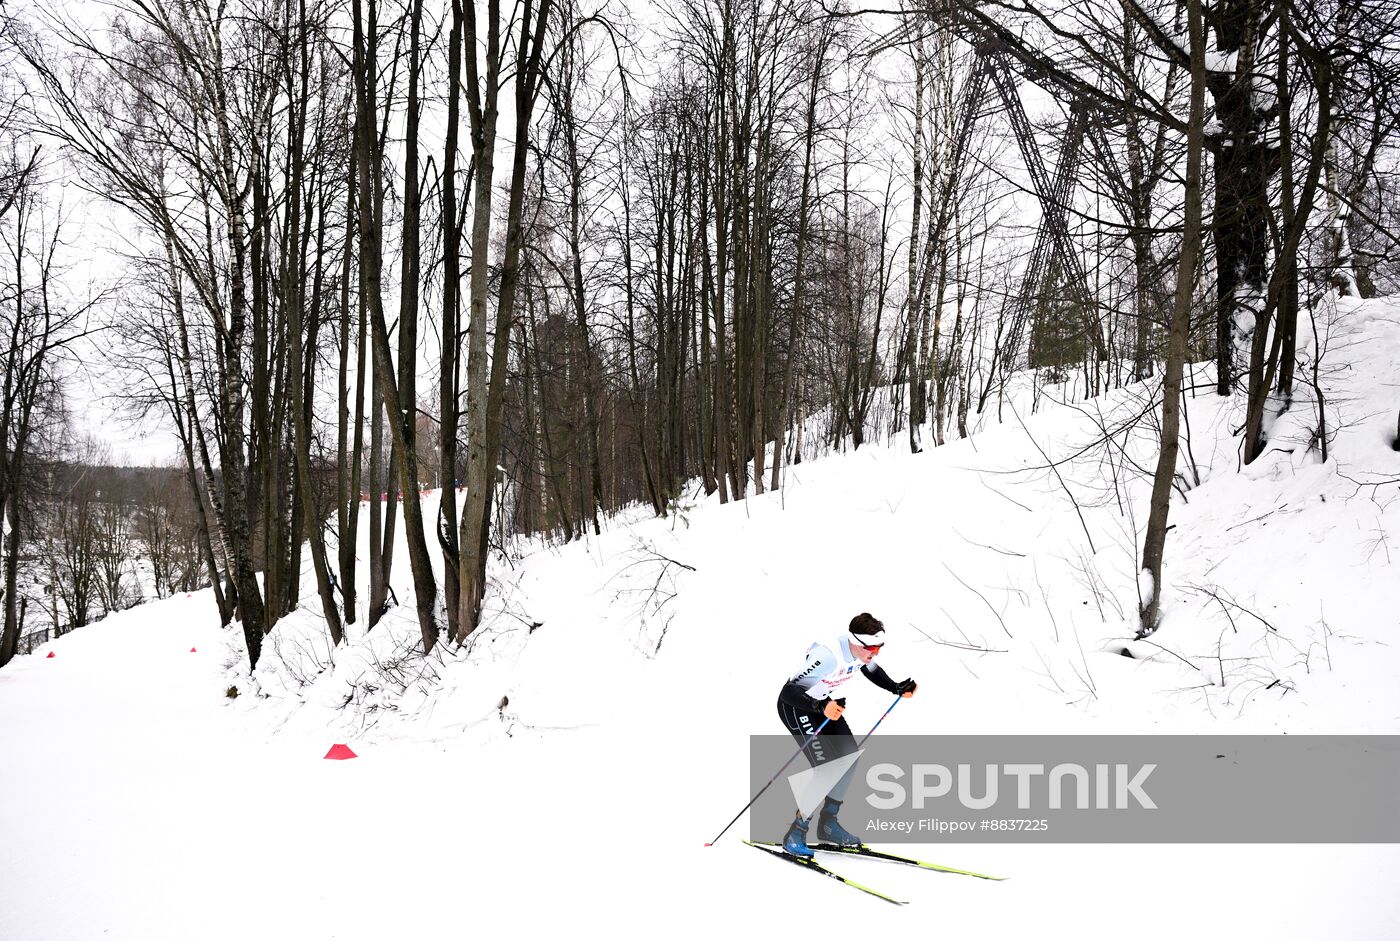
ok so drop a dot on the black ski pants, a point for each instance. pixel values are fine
(835, 741)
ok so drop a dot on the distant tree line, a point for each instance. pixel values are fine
(97, 539)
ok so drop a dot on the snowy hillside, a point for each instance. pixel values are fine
(559, 776)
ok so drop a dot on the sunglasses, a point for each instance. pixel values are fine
(868, 648)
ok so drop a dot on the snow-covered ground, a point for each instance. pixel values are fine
(559, 776)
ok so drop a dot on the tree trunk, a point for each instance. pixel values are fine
(400, 399)
(527, 80)
(1243, 165)
(1154, 542)
(189, 434)
(370, 167)
(451, 324)
(580, 305)
(350, 445)
(1283, 283)
(232, 391)
(484, 113)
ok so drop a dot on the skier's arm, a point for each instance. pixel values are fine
(880, 678)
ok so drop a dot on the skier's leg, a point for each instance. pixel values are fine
(800, 726)
(829, 829)
(836, 741)
(838, 792)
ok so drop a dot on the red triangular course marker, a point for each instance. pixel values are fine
(192, 650)
(340, 752)
(50, 656)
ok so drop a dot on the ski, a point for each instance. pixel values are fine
(868, 853)
(818, 867)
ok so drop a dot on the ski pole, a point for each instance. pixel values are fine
(765, 787)
(878, 721)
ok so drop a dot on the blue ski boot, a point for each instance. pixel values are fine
(795, 840)
(829, 829)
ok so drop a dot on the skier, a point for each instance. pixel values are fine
(807, 697)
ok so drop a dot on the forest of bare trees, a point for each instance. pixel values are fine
(559, 258)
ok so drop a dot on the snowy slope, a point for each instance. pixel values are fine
(137, 801)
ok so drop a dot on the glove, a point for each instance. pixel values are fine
(833, 709)
(906, 688)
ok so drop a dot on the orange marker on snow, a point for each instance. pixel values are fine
(340, 753)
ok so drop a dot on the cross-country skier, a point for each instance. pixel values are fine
(809, 696)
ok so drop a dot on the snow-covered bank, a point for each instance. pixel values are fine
(991, 568)
(561, 774)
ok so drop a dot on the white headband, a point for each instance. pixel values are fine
(867, 640)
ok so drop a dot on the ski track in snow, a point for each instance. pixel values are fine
(138, 802)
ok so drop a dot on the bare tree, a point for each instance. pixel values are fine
(37, 324)
(486, 379)
(1154, 542)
